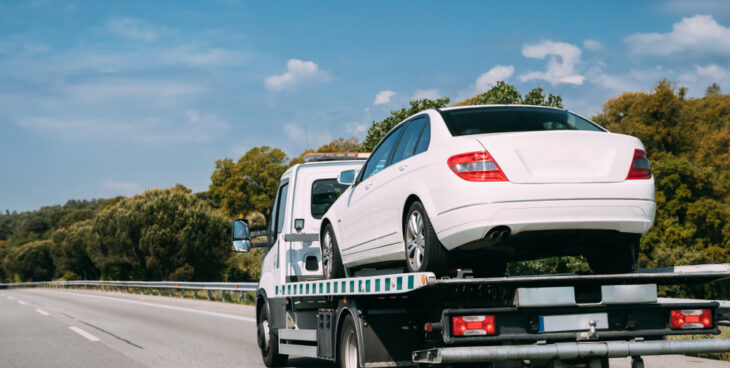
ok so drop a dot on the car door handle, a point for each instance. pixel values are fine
(402, 167)
(367, 186)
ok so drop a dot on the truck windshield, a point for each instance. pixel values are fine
(324, 193)
(513, 119)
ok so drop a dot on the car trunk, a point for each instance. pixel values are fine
(564, 156)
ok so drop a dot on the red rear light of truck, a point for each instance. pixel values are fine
(473, 325)
(640, 168)
(476, 166)
(690, 319)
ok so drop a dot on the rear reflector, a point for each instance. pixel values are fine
(472, 325)
(690, 318)
(640, 168)
(476, 166)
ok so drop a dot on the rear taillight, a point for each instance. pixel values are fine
(640, 168)
(473, 325)
(476, 166)
(690, 318)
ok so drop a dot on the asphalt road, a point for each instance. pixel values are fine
(54, 328)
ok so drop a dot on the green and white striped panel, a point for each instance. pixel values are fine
(371, 285)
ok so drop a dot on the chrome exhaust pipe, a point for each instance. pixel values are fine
(498, 234)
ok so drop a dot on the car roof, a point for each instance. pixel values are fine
(516, 106)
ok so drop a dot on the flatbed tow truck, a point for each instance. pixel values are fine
(388, 318)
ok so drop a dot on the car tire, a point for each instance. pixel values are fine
(619, 258)
(424, 251)
(268, 340)
(348, 355)
(332, 267)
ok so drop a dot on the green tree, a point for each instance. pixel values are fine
(249, 184)
(537, 97)
(341, 145)
(31, 261)
(165, 234)
(70, 250)
(501, 94)
(713, 89)
(378, 129)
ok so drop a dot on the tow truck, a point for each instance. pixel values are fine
(391, 318)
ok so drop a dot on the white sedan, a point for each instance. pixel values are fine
(479, 186)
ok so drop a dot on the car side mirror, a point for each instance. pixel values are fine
(347, 177)
(241, 237)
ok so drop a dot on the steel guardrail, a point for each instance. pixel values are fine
(215, 286)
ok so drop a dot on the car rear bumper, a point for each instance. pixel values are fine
(465, 224)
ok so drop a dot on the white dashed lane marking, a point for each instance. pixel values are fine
(22, 302)
(83, 333)
(41, 311)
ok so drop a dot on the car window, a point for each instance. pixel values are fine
(407, 145)
(279, 210)
(424, 140)
(513, 119)
(324, 193)
(379, 159)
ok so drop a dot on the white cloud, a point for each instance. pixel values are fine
(111, 89)
(118, 187)
(133, 28)
(693, 37)
(294, 132)
(696, 6)
(84, 125)
(190, 55)
(494, 75)
(356, 128)
(562, 60)
(383, 97)
(297, 71)
(430, 94)
(593, 45)
(712, 71)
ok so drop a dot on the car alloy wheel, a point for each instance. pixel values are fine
(327, 255)
(415, 240)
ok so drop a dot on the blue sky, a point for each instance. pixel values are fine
(102, 98)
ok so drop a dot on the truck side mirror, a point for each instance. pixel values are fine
(241, 237)
(347, 177)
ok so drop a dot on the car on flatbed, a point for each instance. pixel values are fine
(480, 186)
(391, 318)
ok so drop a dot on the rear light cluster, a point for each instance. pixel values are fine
(690, 318)
(640, 168)
(473, 326)
(476, 166)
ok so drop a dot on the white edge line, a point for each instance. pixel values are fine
(22, 302)
(41, 311)
(207, 313)
(83, 333)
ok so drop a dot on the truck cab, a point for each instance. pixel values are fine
(292, 250)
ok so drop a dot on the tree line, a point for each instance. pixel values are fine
(174, 234)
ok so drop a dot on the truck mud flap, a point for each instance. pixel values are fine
(568, 351)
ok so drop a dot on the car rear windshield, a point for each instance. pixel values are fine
(513, 119)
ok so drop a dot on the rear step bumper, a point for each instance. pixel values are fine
(568, 351)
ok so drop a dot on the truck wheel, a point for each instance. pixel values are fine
(331, 262)
(424, 252)
(619, 258)
(268, 341)
(348, 355)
